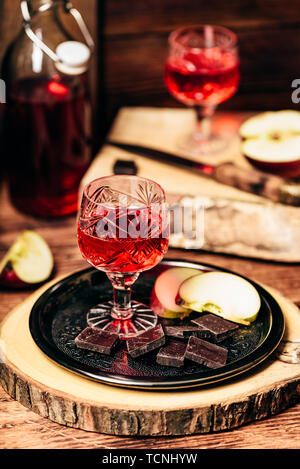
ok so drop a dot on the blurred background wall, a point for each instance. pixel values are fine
(132, 36)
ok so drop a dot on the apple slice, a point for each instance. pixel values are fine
(224, 294)
(29, 261)
(165, 291)
(271, 142)
(271, 122)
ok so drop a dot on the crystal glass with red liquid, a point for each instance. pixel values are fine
(123, 230)
(202, 71)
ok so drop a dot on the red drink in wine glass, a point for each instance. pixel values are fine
(123, 230)
(207, 78)
(202, 70)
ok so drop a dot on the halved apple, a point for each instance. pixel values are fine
(271, 142)
(221, 293)
(29, 261)
(165, 291)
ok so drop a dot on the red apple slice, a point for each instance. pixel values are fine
(28, 261)
(165, 291)
(271, 142)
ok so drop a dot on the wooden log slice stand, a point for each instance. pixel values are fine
(53, 392)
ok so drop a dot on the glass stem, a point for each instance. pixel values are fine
(122, 294)
(203, 122)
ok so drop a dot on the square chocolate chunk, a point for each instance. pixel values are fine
(206, 353)
(146, 342)
(97, 340)
(172, 354)
(219, 328)
(184, 332)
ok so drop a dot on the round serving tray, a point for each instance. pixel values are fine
(59, 315)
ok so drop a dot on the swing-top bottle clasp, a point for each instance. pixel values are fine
(70, 57)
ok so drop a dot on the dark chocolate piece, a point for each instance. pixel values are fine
(172, 354)
(220, 328)
(125, 167)
(144, 343)
(184, 332)
(206, 353)
(97, 340)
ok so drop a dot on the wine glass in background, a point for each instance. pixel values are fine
(123, 230)
(202, 71)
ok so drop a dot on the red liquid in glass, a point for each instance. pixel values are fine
(207, 77)
(104, 243)
(46, 133)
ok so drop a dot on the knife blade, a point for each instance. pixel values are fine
(256, 182)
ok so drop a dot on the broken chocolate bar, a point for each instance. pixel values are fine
(97, 340)
(184, 332)
(172, 354)
(145, 342)
(219, 328)
(206, 353)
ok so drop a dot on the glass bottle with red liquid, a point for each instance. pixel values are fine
(47, 120)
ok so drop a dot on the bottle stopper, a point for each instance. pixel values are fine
(73, 57)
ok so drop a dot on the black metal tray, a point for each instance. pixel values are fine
(59, 315)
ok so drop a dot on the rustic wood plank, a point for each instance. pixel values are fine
(135, 17)
(22, 429)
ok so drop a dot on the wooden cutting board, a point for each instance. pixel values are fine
(237, 222)
(53, 392)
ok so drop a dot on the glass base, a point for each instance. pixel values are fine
(192, 145)
(142, 319)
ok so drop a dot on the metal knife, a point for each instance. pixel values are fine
(256, 182)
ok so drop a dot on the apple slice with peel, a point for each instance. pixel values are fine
(165, 291)
(271, 142)
(221, 293)
(29, 261)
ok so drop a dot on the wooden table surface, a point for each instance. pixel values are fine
(20, 428)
